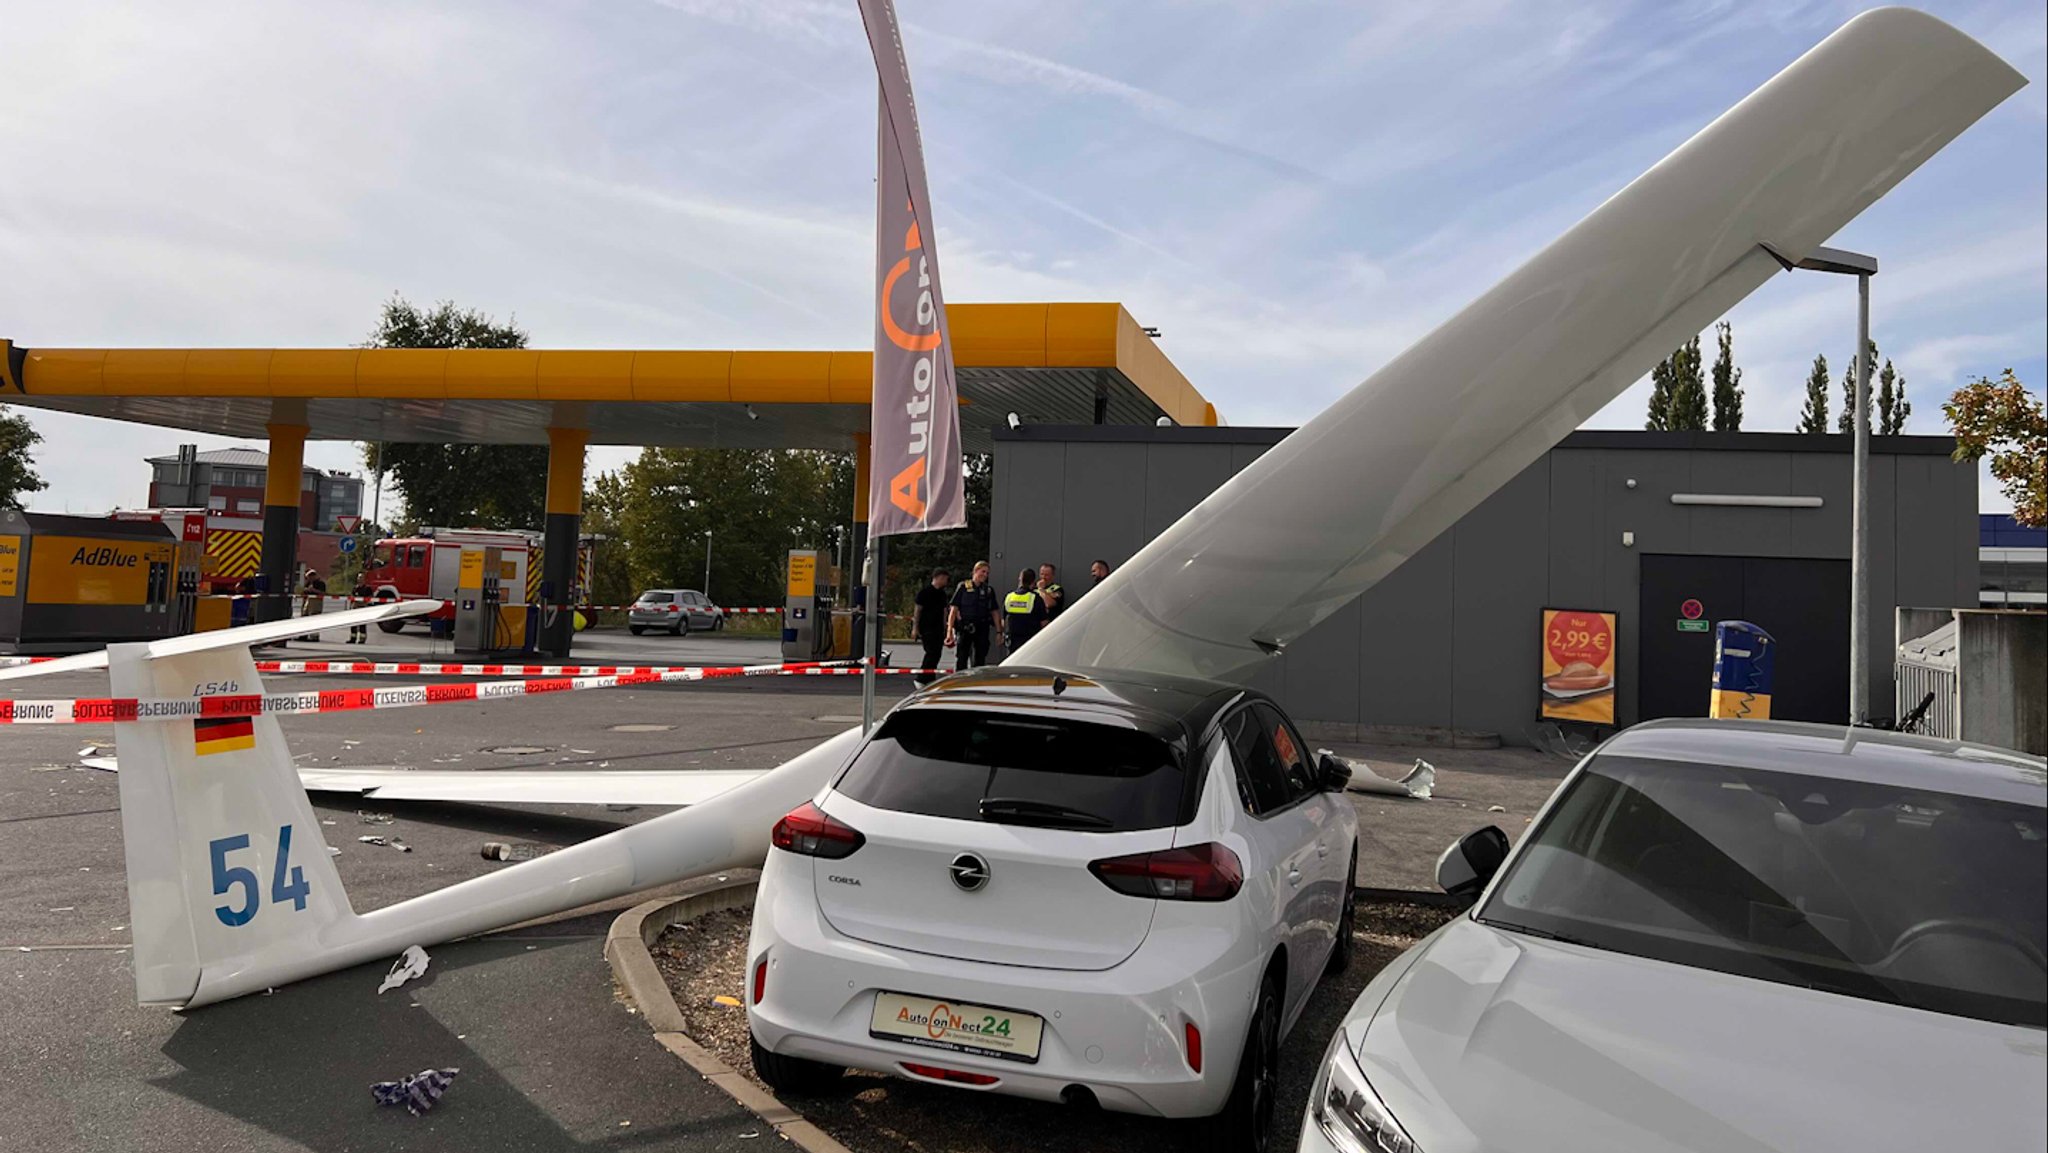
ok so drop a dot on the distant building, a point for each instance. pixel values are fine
(230, 481)
(2013, 560)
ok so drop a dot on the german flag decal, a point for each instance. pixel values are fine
(223, 734)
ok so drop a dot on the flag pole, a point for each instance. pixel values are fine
(870, 640)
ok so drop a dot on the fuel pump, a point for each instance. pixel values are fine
(807, 632)
(478, 593)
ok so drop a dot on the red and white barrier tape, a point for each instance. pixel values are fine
(417, 669)
(101, 710)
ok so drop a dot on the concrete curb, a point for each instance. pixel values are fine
(626, 948)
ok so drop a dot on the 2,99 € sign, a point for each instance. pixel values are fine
(1578, 666)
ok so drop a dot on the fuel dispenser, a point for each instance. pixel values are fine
(480, 621)
(811, 630)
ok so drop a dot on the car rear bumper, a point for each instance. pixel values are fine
(654, 620)
(1118, 1032)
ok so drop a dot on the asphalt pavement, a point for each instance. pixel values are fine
(550, 1059)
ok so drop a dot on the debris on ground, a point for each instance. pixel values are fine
(418, 1093)
(1496, 808)
(411, 963)
(1417, 783)
(515, 850)
(370, 818)
(393, 842)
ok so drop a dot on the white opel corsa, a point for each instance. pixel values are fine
(1725, 937)
(1112, 889)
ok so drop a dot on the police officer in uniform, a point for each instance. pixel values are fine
(971, 619)
(1025, 610)
(932, 601)
(1050, 591)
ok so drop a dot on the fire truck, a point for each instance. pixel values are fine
(424, 566)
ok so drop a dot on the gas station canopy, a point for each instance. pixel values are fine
(1048, 363)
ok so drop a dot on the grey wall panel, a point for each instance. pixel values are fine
(1500, 581)
(1823, 534)
(1741, 531)
(1404, 639)
(1242, 455)
(1036, 504)
(1576, 534)
(1963, 541)
(1177, 477)
(1322, 668)
(1104, 496)
(1658, 525)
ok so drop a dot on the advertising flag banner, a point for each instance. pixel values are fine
(1578, 666)
(918, 482)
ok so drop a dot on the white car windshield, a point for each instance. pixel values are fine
(1911, 897)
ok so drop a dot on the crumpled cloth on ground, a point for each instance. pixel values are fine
(1417, 782)
(417, 1093)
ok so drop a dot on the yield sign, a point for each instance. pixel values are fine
(347, 524)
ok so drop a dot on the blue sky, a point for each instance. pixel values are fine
(1293, 192)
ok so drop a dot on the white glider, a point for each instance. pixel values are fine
(229, 892)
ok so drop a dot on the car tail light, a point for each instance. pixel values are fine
(760, 979)
(955, 1075)
(808, 832)
(675, 608)
(1207, 872)
(1194, 1036)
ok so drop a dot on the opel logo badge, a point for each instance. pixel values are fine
(969, 873)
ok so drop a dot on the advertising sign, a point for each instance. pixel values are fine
(1578, 666)
(10, 564)
(915, 421)
(88, 571)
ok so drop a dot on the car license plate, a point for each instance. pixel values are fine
(957, 1026)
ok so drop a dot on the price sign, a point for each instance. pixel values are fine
(1578, 666)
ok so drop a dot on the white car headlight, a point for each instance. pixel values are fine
(1351, 1115)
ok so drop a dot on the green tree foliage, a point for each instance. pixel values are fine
(17, 465)
(1892, 406)
(1846, 421)
(912, 558)
(1678, 392)
(459, 485)
(1814, 416)
(2003, 420)
(1727, 382)
(756, 504)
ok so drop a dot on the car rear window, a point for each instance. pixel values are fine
(1009, 769)
(656, 598)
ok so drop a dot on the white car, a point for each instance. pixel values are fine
(1725, 936)
(1109, 889)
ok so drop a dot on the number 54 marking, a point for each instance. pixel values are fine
(226, 877)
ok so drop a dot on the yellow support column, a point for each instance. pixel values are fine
(282, 486)
(563, 529)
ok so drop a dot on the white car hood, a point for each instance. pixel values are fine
(1496, 1041)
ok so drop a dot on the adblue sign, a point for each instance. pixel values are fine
(75, 571)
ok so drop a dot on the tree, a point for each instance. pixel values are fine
(2002, 419)
(1678, 393)
(757, 504)
(1727, 382)
(1892, 406)
(498, 486)
(1814, 416)
(1659, 418)
(913, 557)
(17, 466)
(1846, 422)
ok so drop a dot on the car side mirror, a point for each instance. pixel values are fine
(1465, 868)
(1332, 774)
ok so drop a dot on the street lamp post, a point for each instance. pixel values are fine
(1862, 267)
(707, 564)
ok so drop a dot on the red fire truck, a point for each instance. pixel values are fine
(425, 566)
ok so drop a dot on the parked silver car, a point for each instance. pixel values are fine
(676, 610)
(1724, 935)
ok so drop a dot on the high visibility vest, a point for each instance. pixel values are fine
(1019, 602)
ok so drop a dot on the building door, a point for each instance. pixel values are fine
(1802, 603)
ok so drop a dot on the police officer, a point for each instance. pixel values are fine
(1050, 592)
(971, 619)
(1024, 610)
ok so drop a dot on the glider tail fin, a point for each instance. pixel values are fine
(227, 868)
